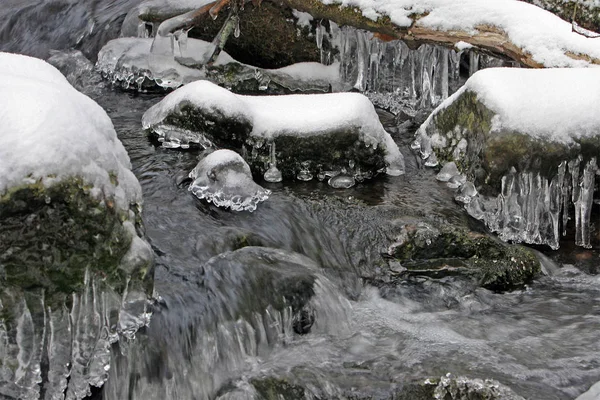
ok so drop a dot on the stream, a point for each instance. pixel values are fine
(367, 340)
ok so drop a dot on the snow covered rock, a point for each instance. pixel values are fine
(531, 137)
(139, 64)
(224, 179)
(72, 257)
(303, 135)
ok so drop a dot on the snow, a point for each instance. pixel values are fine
(303, 18)
(303, 114)
(460, 46)
(311, 72)
(50, 132)
(541, 33)
(559, 104)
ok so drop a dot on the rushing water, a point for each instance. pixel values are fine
(541, 341)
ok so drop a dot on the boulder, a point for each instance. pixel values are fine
(72, 254)
(302, 135)
(537, 153)
(427, 251)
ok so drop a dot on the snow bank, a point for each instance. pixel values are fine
(270, 116)
(50, 132)
(557, 104)
(541, 33)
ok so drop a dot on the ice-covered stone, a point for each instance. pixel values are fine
(76, 272)
(224, 179)
(448, 171)
(535, 153)
(144, 64)
(314, 133)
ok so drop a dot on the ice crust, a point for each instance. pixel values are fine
(542, 34)
(558, 104)
(271, 116)
(51, 132)
(133, 62)
(224, 179)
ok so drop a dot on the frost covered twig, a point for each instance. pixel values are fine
(584, 32)
(575, 27)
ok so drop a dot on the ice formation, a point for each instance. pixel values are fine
(52, 134)
(273, 116)
(224, 179)
(144, 64)
(130, 63)
(535, 203)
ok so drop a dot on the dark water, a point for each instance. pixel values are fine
(541, 341)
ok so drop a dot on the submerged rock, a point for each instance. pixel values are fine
(224, 179)
(72, 254)
(537, 154)
(239, 304)
(311, 133)
(428, 251)
(298, 387)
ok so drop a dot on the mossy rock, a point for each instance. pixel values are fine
(333, 150)
(262, 278)
(424, 250)
(269, 35)
(446, 388)
(277, 388)
(50, 236)
(462, 132)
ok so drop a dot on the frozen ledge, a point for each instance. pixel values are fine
(530, 141)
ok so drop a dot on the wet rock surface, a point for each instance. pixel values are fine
(440, 252)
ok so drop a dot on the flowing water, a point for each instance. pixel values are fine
(216, 329)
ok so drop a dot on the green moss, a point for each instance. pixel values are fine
(220, 129)
(491, 156)
(256, 45)
(473, 119)
(498, 266)
(49, 236)
(326, 152)
(277, 388)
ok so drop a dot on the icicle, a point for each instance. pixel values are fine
(319, 32)
(181, 38)
(583, 205)
(555, 205)
(473, 62)
(272, 174)
(236, 30)
(362, 55)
